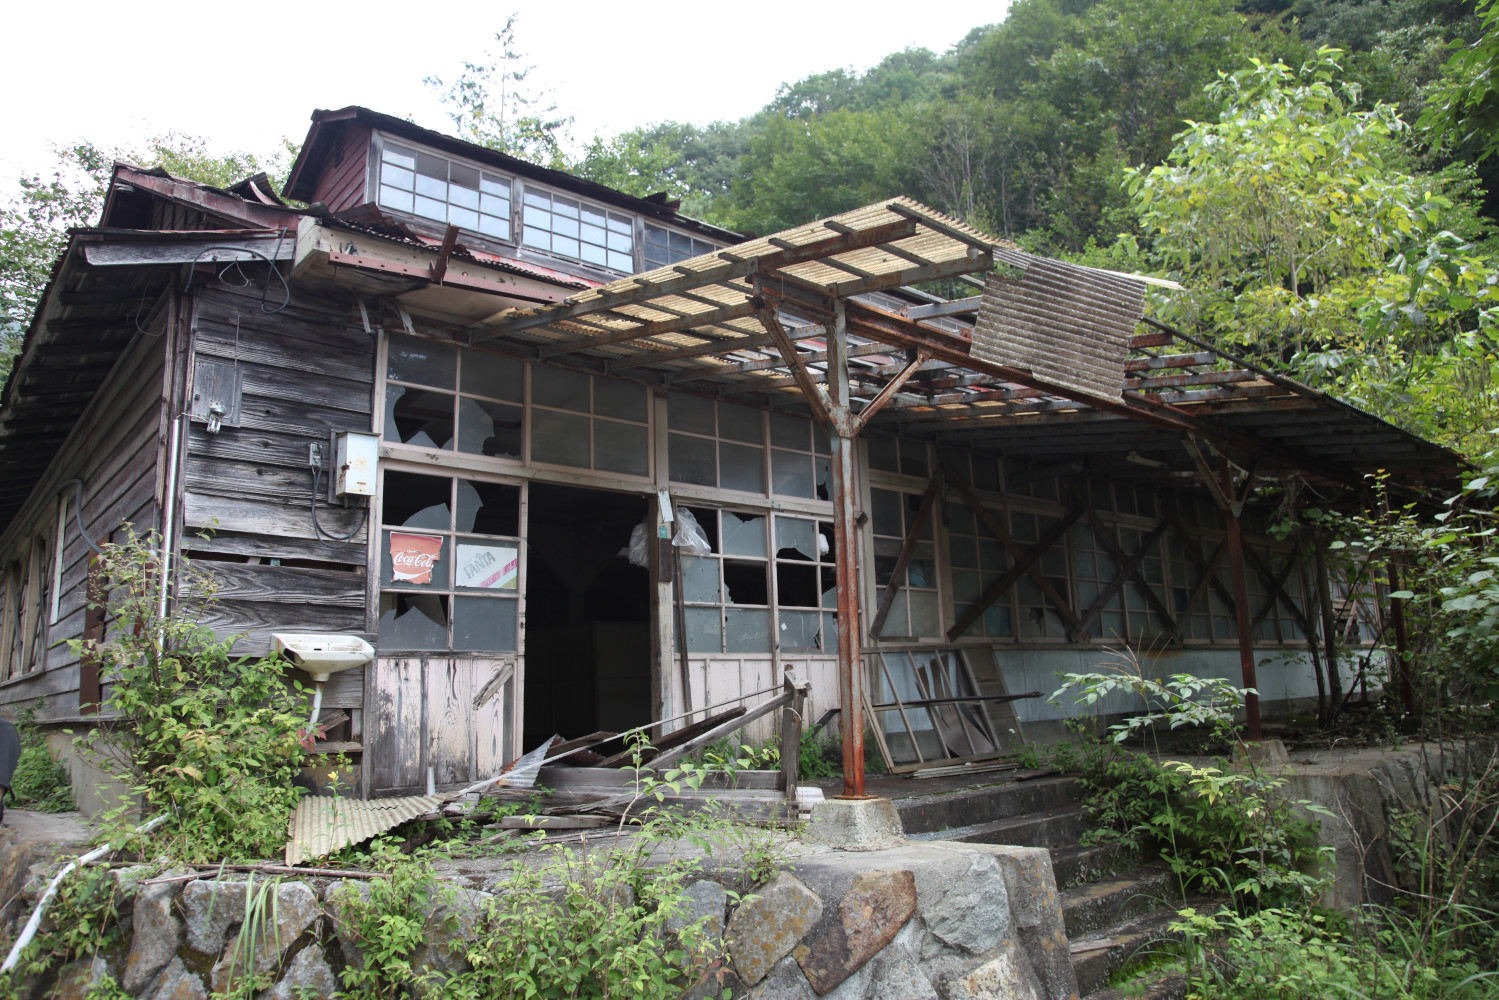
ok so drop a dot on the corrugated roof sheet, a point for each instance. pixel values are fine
(321, 824)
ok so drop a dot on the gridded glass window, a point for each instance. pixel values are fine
(806, 585)
(727, 592)
(448, 398)
(449, 563)
(1185, 576)
(1038, 618)
(571, 228)
(978, 559)
(589, 423)
(975, 470)
(434, 187)
(1144, 624)
(715, 444)
(1095, 568)
(914, 613)
(799, 462)
(906, 456)
(666, 246)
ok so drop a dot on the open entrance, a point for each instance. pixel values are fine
(588, 613)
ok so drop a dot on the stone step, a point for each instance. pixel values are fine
(1148, 988)
(1096, 956)
(985, 804)
(1075, 864)
(1111, 901)
(1037, 829)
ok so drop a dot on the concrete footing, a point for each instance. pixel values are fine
(870, 824)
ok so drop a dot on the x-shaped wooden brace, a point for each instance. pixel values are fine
(1129, 570)
(1022, 561)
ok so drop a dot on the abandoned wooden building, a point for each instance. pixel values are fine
(572, 461)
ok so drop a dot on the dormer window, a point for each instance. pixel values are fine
(443, 190)
(571, 228)
(666, 246)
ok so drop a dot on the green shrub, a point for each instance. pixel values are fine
(40, 782)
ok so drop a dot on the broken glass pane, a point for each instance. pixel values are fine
(559, 438)
(741, 467)
(420, 361)
(829, 586)
(796, 539)
(699, 579)
(620, 448)
(415, 501)
(493, 376)
(413, 621)
(704, 630)
(486, 428)
(745, 582)
(418, 417)
(408, 559)
(692, 460)
(743, 534)
(488, 508)
(824, 478)
(800, 632)
(690, 413)
(484, 624)
(559, 387)
(796, 585)
(791, 473)
(830, 634)
(621, 400)
(746, 631)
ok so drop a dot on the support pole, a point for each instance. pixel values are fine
(1243, 626)
(1329, 628)
(846, 561)
(1402, 652)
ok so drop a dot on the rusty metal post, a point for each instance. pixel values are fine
(1402, 652)
(1243, 625)
(846, 561)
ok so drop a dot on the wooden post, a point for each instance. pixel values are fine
(1402, 662)
(1329, 626)
(791, 737)
(1243, 626)
(846, 562)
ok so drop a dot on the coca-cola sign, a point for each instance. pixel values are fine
(412, 557)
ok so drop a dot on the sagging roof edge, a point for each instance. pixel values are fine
(328, 125)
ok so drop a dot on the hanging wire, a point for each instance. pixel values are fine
(317, 527)
(234, 265)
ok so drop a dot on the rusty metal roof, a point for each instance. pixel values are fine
(321, 824)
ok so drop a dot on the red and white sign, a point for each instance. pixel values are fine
(413, 556)
(487, 567)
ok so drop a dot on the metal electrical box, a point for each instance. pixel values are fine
(356, 456)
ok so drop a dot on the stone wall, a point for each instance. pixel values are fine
(944, 921)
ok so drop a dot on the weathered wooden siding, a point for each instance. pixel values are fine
(247, 491)
(342, 184)
(423, 715)
(114, 449)
(717, 679)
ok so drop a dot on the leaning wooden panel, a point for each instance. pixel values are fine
(494, 692)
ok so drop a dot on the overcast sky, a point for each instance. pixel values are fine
(244, 76)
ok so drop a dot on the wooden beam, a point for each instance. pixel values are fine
(817, 397)
(733, 266)
(969, 304)
(907, 549)
(1129, 571)
(864, 416)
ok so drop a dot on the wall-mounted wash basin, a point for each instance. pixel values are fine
(321, 654)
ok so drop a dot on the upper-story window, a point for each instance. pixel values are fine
(664, 246)
(572, 228)
(444, 190)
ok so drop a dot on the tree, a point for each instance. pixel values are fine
(1464, 108)
(1302, 235)
(492, 104)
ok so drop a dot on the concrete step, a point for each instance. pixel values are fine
(1075, 864)
(1096, 956)
(985, 804)
(1111, 901)
(1035, 829)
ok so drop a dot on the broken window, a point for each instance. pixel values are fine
(441, 397)
(806, 586)
(716, 444)
(914, 612)
(800, 465)
(449, 563)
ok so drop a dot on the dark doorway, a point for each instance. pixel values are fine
(588, 613)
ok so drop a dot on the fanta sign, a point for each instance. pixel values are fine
(413, 556)
(488, 567)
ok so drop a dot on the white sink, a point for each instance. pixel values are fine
(323, 655)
